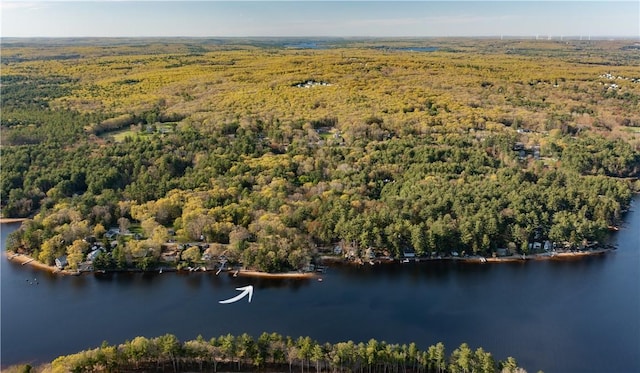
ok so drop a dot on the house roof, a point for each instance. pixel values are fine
(94, 254)
(61, 261)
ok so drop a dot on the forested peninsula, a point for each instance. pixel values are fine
(273, 353)
(265, 154)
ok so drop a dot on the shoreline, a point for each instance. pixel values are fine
(27, 260)
(541, 257)
(291, 275)
(23, 259)
(563, 255)
(12, 220)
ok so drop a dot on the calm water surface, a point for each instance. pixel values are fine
(577, 316)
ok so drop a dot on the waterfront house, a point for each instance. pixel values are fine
(408, 253)
(61, 262)
(536, 246)
(94, 254)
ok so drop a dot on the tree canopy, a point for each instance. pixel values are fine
(463, 148)
(272, 351)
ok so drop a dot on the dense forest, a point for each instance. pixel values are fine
(274, 352)
(267, 153)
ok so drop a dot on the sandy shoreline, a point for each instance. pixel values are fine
(11, 220)
(294, 275)
(27, 260)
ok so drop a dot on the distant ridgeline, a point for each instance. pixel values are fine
(388, 150)
(273, 352)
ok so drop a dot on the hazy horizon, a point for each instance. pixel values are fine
(206, 19)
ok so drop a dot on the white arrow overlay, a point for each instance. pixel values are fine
(245, 290)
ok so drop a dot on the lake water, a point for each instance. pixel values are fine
(571, 316)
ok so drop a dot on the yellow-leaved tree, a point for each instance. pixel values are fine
(75, 253)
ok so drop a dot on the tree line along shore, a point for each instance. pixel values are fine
(272, 352)
(266, 154)
(314, 270)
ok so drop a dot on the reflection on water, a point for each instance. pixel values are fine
(104, 277)
(268, 283)
(80, 283)
(193, 281)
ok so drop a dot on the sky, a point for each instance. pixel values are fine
(319, 18)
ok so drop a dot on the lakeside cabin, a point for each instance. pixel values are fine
(94, 254)
(409, 254)
(61, 262)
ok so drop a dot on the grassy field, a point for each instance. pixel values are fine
(138, 133)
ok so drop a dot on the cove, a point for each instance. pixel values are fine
(556, 316)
